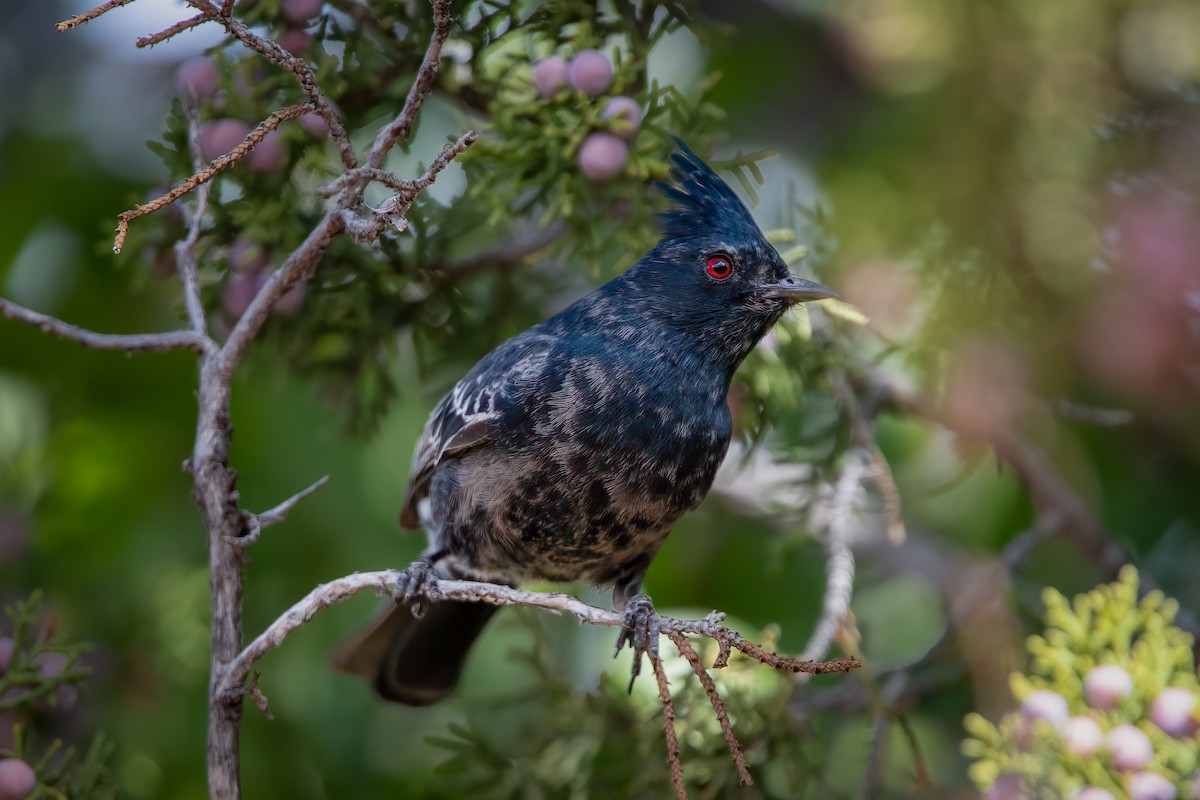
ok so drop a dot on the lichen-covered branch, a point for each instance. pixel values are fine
(336, 591)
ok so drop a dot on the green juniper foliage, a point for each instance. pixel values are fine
(609, 742)
(39, 683)
(1106, 626)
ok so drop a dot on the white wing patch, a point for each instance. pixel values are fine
(467, 410)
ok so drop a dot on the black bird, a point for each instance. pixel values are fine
(569, 451)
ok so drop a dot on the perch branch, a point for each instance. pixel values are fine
(338, 590)
(129, 342)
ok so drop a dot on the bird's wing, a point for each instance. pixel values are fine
(466, 417)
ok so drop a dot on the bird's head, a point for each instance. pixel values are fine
(714, 276)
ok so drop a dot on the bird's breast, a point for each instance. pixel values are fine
(610, 460)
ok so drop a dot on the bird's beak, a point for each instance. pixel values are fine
(796, 290)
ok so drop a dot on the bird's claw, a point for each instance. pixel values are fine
(415, 586)
(640, 630)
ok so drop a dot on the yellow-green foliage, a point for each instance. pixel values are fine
(1107, 625)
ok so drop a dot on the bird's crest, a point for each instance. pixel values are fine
(701, 202)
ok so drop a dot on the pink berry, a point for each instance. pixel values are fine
(295, 40)
(17, 779)
(268, 155)
(219, 137)
(200, 76)
(291, 300)
(1106, 685)
(247, 257)
(1006, 787)
(549, 76)
(1174, 710)
(590, 72)
(313, 124)
(1128, 748)
(1081, 736)
(301, 11)
(628, 113)
(1093, 793)
(7, 646)
(1045, 704)
(50, 665)
(239, 292)
(601, 156)
(1150, 786)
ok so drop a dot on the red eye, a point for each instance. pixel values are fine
(719, 267)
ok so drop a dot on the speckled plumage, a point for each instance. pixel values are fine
(568, 452)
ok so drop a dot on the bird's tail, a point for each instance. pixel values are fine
(415, 660)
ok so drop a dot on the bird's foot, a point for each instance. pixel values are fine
(416, 585)
(640, 629)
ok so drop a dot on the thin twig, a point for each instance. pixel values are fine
(185, 249)
(174, 30)
(336, 591)
(876, 758)
(922, 778)
(79, 19)
(443, 159)
(668, 706)
(714, 698)
(1091, 415)
(203, 176)
(129, 342)
(388, 179)
(256, 522)
(392, 212)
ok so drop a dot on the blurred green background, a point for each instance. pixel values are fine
(1010, 194)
